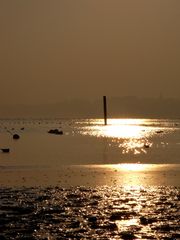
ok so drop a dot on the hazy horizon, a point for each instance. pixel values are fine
(128, 106)
(53, 51)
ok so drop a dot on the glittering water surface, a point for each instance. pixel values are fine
(90, 213)
(89, 141)
(132, 135)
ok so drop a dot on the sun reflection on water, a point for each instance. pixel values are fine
(118, 128)
(132, 167)
(130, 135)
(123, 224)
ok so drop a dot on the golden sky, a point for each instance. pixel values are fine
(51, 50)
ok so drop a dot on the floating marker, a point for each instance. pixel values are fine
(16, 136)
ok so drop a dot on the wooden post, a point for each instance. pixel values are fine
(105, 110)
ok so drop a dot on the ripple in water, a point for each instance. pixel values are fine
(90, 213)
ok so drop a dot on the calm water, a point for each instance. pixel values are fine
(90, 142)
(96, 181)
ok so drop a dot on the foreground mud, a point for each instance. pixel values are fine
(90, 213)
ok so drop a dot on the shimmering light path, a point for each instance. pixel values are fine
(121, 128)
(88, 141)
(130, 135)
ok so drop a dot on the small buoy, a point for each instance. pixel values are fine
(5, 150)
(159, 131)
(22, 128)
(16, 136)
(56, 131)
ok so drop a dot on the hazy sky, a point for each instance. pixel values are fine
(51, 50)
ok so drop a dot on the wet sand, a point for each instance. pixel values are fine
(91, 175)
(90, 213)
(123, 201)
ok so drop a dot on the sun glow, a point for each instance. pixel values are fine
(129, 135)
(135, 167)
(117, 128)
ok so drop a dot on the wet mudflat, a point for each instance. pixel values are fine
(90, 213)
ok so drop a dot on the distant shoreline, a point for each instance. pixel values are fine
(118, 107)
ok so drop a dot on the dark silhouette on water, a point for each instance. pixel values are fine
(146, 145)
(55, 131)
(16, 136)
(5, 150)
(105, 110)
(159, 131)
